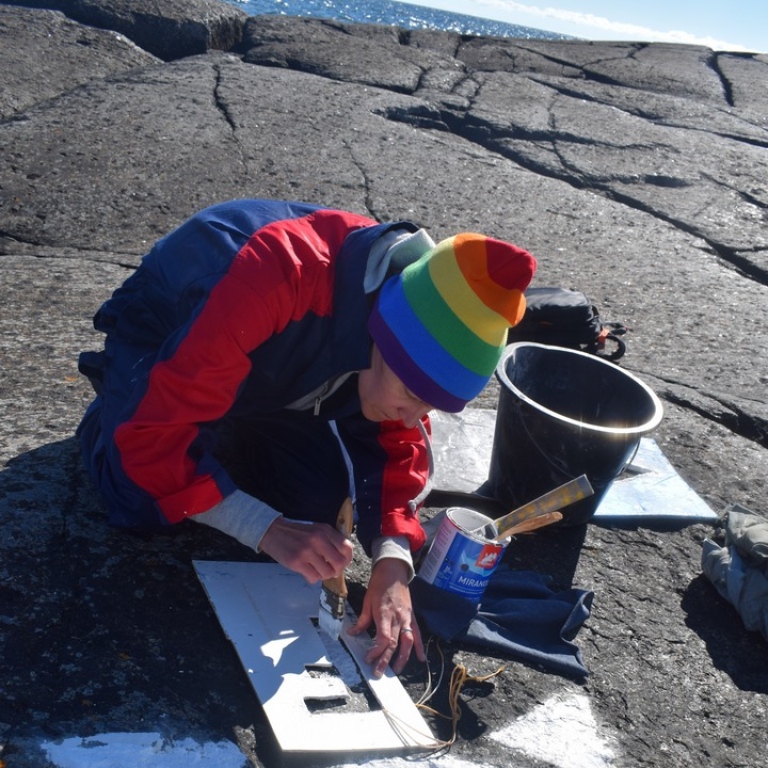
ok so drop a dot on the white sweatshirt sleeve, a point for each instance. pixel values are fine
(395, 547)
(241, 516)
(247, 519)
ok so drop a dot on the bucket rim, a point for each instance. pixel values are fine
(640, 429)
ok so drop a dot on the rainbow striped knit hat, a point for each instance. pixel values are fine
(441, 325)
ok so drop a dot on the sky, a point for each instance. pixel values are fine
(723, 25)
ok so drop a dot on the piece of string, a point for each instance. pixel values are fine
(413, 504)
(459, 678)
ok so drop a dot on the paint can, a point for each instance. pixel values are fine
(463, 555)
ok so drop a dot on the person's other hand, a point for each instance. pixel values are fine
(387, 605)
(315, 550)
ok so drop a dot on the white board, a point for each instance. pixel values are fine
(650, 492)
(267, 612)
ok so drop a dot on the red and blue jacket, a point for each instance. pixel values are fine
(244, 309)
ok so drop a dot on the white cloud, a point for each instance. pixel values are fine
(586, 24)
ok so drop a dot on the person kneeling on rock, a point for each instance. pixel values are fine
(269, 359)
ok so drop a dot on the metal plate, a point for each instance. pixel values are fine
(269, 613)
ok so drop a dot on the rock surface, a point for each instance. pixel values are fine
(636, 173)
(169, 29)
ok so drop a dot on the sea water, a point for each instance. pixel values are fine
(394, 13)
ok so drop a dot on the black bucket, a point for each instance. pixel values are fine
(563, 413)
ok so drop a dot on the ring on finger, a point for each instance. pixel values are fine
(406, 631)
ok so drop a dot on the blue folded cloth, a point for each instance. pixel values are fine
(519, 616)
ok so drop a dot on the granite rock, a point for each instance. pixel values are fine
(168, 29)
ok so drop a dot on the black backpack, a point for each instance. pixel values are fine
(567, 318)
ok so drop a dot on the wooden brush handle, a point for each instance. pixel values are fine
(531, 524)
(568, 493)
(338, 584)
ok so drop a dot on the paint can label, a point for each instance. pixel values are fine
(462, 556)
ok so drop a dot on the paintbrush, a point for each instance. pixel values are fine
(333, 595)
(562, 496)
(531, 524)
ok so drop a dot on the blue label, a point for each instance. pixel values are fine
(467, 566)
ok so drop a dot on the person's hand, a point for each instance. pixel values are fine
(387, 604)
(317, 551)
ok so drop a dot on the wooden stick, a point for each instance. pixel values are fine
(562, 496)
(531, 524)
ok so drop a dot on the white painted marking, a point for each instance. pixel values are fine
(562, 731)
(439, 761)
(150, 750)
(141, 750)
